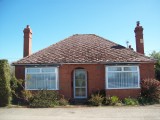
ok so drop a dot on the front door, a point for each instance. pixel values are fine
(80, 83)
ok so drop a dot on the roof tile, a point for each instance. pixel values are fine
(84, 48)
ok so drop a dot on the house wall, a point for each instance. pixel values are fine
(20, 72)
(95, 79)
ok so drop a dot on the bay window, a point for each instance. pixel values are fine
(41, 78)
(121, 77)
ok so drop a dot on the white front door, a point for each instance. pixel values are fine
(80, 83)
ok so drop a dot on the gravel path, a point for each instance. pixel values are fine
(82, 113)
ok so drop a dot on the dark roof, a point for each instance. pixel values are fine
(84, 48)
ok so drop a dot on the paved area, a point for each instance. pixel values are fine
(82, 113)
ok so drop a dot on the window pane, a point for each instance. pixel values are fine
(46, 79)
(130, 68)
(80, 92)
(46, 70)
(52, 81)
(114, 69)
(40, 82)
(33, 70)
(31, 82)
(123, 79)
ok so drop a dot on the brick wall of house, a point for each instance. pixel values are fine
(20, 72)
(95, 79)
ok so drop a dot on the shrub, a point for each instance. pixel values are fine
(14, 86)
(143, 101)
(150, 90)
(96, 99)
(63, 102)
(44, 98)
(5, 91)
(19, 94)
(114, 100)
(130, 101)
(101, 92)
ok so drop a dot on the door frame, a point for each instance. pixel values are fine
(75, 87)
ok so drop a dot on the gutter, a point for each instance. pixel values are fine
(58, 64)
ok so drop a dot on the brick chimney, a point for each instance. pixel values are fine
(27, 50)
(139, 38)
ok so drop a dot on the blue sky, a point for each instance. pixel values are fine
(54, 20)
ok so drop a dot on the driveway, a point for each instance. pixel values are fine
(82, 113)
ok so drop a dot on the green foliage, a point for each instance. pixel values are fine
(150, 91)
(19, 94)
(156, 55)
(44, 98)
(96, 99)
(114, 100)
(13, 86)
(63, 102)
(130, 101)
(144, 101)
(5, 91)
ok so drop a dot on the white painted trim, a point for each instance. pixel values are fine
(106, 76)
(79, 87)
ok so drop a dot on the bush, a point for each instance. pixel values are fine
(114, 100)
(150, 91)
(44, 98)
(130, 101)
(19, 94)
(63, 102)
(96, 99)
(5, 91)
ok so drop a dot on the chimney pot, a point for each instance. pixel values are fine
(138, 23)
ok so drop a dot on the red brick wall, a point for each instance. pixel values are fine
(20, 72)
(147, 71)
(123, 93)
(95, 79)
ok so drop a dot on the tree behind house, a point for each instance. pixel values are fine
(5, 91)
(156, 55)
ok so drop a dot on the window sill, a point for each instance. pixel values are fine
(122, 88)
(41, 89)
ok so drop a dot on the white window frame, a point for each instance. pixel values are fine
(56, 72)
(122, 66)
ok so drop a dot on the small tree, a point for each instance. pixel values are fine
(5, 91)
(150, 90)
(156, 55)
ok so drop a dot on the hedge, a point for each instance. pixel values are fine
(5, 91)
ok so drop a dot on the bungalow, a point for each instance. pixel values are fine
(83, 63)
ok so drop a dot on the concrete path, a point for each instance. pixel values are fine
(82, 113)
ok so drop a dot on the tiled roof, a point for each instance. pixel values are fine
(84, 48)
